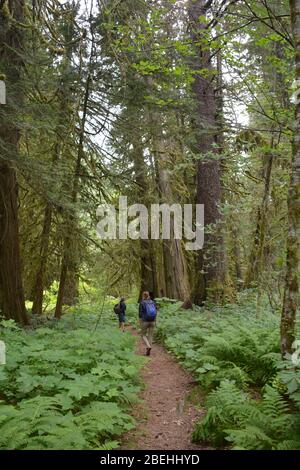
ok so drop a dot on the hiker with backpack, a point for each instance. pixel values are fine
(147, 315)
(120, 310)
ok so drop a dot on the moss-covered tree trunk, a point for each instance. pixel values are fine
(62, 131)
(12, 303)
(37, 306)
(256, 260)
(290, 303)
(68, 283)
(148, 255)
(69, 276)
(176, 283)
(211, 261)
(175, 265)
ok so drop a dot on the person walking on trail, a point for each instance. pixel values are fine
(147, 315)
(120, 310)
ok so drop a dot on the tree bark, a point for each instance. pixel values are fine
(68, 273)
(290, 303)
(211, 261)
(12, 302)
(148, 257)
(62, 130)
(37, 306)
(175, 266)
(256, 259)
(175, 272)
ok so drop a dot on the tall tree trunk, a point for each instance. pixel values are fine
(62, 130)
(37, 306)
(148, 256)
(237, 256)
(176, 277)
(12, 302)
(148, 268)
(257, 252)
(161, 281)
(211, 262)
(290, 303)
(175, 265)
(69, 265)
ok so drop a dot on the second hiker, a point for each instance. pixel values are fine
(147, 315)
(120, 310)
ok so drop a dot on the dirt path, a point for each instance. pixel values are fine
(166, 416)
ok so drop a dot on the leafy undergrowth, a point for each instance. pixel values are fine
(67, 386)
(253, 397)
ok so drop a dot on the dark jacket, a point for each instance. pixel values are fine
(122, 312)
(122, 308)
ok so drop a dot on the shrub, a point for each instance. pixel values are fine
(66, 385)
(253, 397)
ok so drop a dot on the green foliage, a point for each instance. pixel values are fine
(43, 423)
(225, 409)
(225, 343)
(253, 399)
(67, 386)
(249, 424)
(289, 380)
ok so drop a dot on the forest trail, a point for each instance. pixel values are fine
(166, 416)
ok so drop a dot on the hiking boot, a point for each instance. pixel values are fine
(148, 351)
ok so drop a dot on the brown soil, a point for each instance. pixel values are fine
(166, 416)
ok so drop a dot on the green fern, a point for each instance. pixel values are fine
(247, 424)
(67, 388)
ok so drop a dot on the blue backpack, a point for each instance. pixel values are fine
(150, 307)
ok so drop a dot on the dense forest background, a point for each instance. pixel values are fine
(186, 101)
